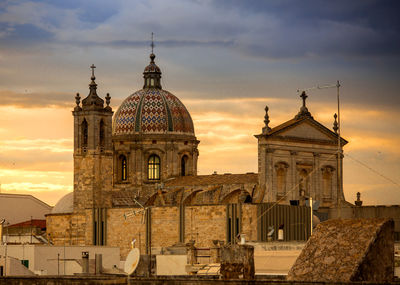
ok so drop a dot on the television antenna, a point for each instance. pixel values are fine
(339, 150)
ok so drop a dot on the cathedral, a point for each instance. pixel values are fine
(135, 174)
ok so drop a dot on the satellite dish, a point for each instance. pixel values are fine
(132, 261)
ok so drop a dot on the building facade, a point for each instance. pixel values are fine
(141, 162)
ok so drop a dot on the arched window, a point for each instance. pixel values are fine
(84, 128)
(184, 165)
(154, 167)
(102, 133)
(123, 167)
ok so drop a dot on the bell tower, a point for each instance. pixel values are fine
(92, 150)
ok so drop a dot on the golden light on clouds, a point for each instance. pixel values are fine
(36, 144)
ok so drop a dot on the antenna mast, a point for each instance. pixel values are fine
(339, 149)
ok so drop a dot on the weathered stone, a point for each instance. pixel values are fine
(347, 250)
(237, 260)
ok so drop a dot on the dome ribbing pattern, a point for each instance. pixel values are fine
(152, 110)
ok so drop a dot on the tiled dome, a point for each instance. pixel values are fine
(152, 110)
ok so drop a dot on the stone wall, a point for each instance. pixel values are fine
(347, 250)
(92, 180)
(205, 224)
(164, 226)
(121, 231)
(249, 221)
(67, 229)
(369, 212)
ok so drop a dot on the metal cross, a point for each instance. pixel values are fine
(92, 67)
(152, 42)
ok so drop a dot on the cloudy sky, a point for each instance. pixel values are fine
(224, 59)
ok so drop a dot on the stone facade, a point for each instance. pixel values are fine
(143, 161)
(299, 159)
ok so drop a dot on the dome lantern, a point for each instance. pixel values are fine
(152, 73)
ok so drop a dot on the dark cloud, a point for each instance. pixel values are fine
(88, 11)
(322, 28)
(24, 34)
(269, 29)
(163, 43)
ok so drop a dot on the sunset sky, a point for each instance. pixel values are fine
(224, 59)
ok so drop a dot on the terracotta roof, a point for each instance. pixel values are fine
(34, 223)
(215, 179)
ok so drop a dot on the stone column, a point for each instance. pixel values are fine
(140, 167)
(293, 170)
(262, 173)
(270, 193)
(315, 190)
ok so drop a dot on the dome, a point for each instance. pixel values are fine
(65, 205)
(152, 110)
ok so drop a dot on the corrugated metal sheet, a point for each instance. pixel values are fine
(295, 221)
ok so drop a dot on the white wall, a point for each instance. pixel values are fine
(43, 259)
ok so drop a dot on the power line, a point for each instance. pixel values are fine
(373, 170)
(295, 187)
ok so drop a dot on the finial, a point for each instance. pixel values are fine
(335, 124)
(152, 55)
(152, 42)
(108, 99)
(78, 101)
(93, 67)
(266, 121)
(358, 202)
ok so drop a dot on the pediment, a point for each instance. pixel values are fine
(309, 131)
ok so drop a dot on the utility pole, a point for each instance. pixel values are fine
(339, 149)
(5, 257)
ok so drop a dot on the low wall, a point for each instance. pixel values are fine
(55, 280)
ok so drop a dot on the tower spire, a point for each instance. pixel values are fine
(92, 100)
